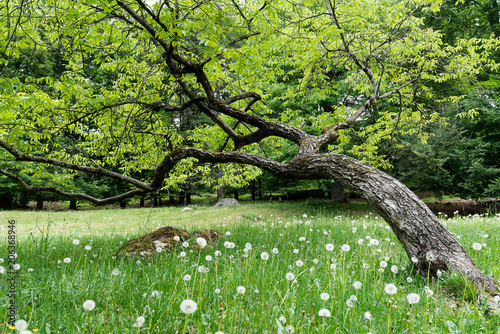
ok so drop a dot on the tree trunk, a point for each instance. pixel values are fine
(39, 204)
(182, 196)
(426, 241)
(72, 205)
(236, 196)
(123, 205)
(259, 190)
(188, 198)
(337, 193)
(141, 202)
(159, 201)
(252, 189)
(155, 202)
(171, 200)
(220, 193)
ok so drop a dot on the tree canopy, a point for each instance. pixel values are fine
(114, 82)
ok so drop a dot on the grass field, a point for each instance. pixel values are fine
(281, 276)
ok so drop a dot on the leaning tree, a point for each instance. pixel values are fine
(133, 68)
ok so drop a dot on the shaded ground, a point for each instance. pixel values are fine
(459, 206)
(449, 207)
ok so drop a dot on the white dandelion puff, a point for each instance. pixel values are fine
(139, 322)
(89, 305)
(413, 298)
(324, 313)
(21, 325)
(391, 289)
(188, 306)
(202, 242)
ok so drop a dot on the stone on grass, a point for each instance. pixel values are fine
(226, 202)
(187, 209)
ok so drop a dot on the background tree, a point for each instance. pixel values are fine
(154, 53)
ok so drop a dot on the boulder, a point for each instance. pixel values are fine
(226, 202)
(148, 244)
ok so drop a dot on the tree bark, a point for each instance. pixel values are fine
(236, 196)
(220, 193)
(188, 198)
(141, 202)
(252, 189)
(420, 232)
(259, 189)
(39, 204)
(72, 205)
(155, 202)
(182, 196)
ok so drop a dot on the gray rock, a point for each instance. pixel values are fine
(226, 202)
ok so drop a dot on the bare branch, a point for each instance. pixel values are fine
(351, 55)
(99, 170)
(242, 97)
(58, 191)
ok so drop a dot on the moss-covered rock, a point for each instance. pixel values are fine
(164, 238)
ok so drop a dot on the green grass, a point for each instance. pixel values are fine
(52, 294)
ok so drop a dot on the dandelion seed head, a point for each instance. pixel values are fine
(324, 313)
(290, 276)
(139, 322)
(241, 289)
(188, 306)
(202, 242)
(390, 289)
(21, 325)
(413, 298)
(329, 247)
(325, 296)
(89, 305)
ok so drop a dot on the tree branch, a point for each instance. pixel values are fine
(58, 191)
(99, 170)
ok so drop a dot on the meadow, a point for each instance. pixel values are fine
(303, 267)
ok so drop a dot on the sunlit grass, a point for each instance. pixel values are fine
(294, 235)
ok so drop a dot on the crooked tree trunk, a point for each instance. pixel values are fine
(420, 232)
